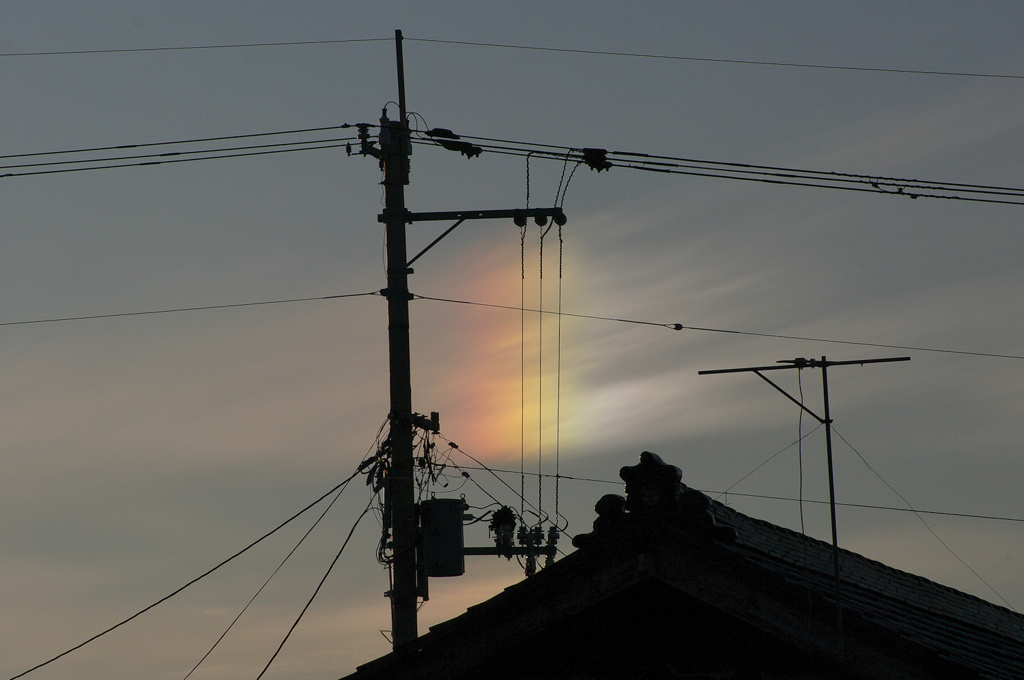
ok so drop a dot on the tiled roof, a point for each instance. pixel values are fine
(958, 626)
(707, 565)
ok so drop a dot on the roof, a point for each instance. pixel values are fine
(955, 625)
(673, 584)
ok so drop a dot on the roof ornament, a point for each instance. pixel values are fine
(655, 498)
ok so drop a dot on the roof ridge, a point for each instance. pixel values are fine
(1000, 619)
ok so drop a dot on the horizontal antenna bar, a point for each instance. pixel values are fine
(802, 363)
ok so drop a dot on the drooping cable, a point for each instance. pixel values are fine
(540, 373)
(267, 582)
(560, 202)
(533, 508)
(558, 376)
(192, 582)
(522, 349)
(522, 368)
(318, 587)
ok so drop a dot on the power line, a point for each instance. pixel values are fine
(907, 189)
(196, 140)
(769, 497)
(681, 327)
(139, 613)
(177, 310)
(176, 160)
(537, 511)
(168, 154)
(564, 50)
(743, 62)
(778, 175)
(318, 587)
(867, 506)
(766, 174)
(816, 179)
(266, 583)
(193, 47)
(743, 167)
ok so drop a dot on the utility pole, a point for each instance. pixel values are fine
(400, 492)
(401, 512)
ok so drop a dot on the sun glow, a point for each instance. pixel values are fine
(504, 391)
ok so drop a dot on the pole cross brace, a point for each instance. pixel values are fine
(517, 214)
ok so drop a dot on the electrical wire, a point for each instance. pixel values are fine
(522, 364)
(168, 161)
(177, 310)
(183, 48)
(909, 188)
(269, 579)
(169, 154)
(540, 368)
(195, 140)
(629, 159)
(532, 507)
(788, 499)
(317, 590)
(778, 175)
(565, 50)
(193, 581)
(681, 327)
(678, 161)
(742, 62)
(865, 186)
(558, 369)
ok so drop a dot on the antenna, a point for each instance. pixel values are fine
(823, 364)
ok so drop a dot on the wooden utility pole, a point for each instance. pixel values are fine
(400, 508)
(400, 492)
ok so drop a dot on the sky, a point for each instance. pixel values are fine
(138, 451)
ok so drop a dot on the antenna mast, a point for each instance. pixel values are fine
(823, 364)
